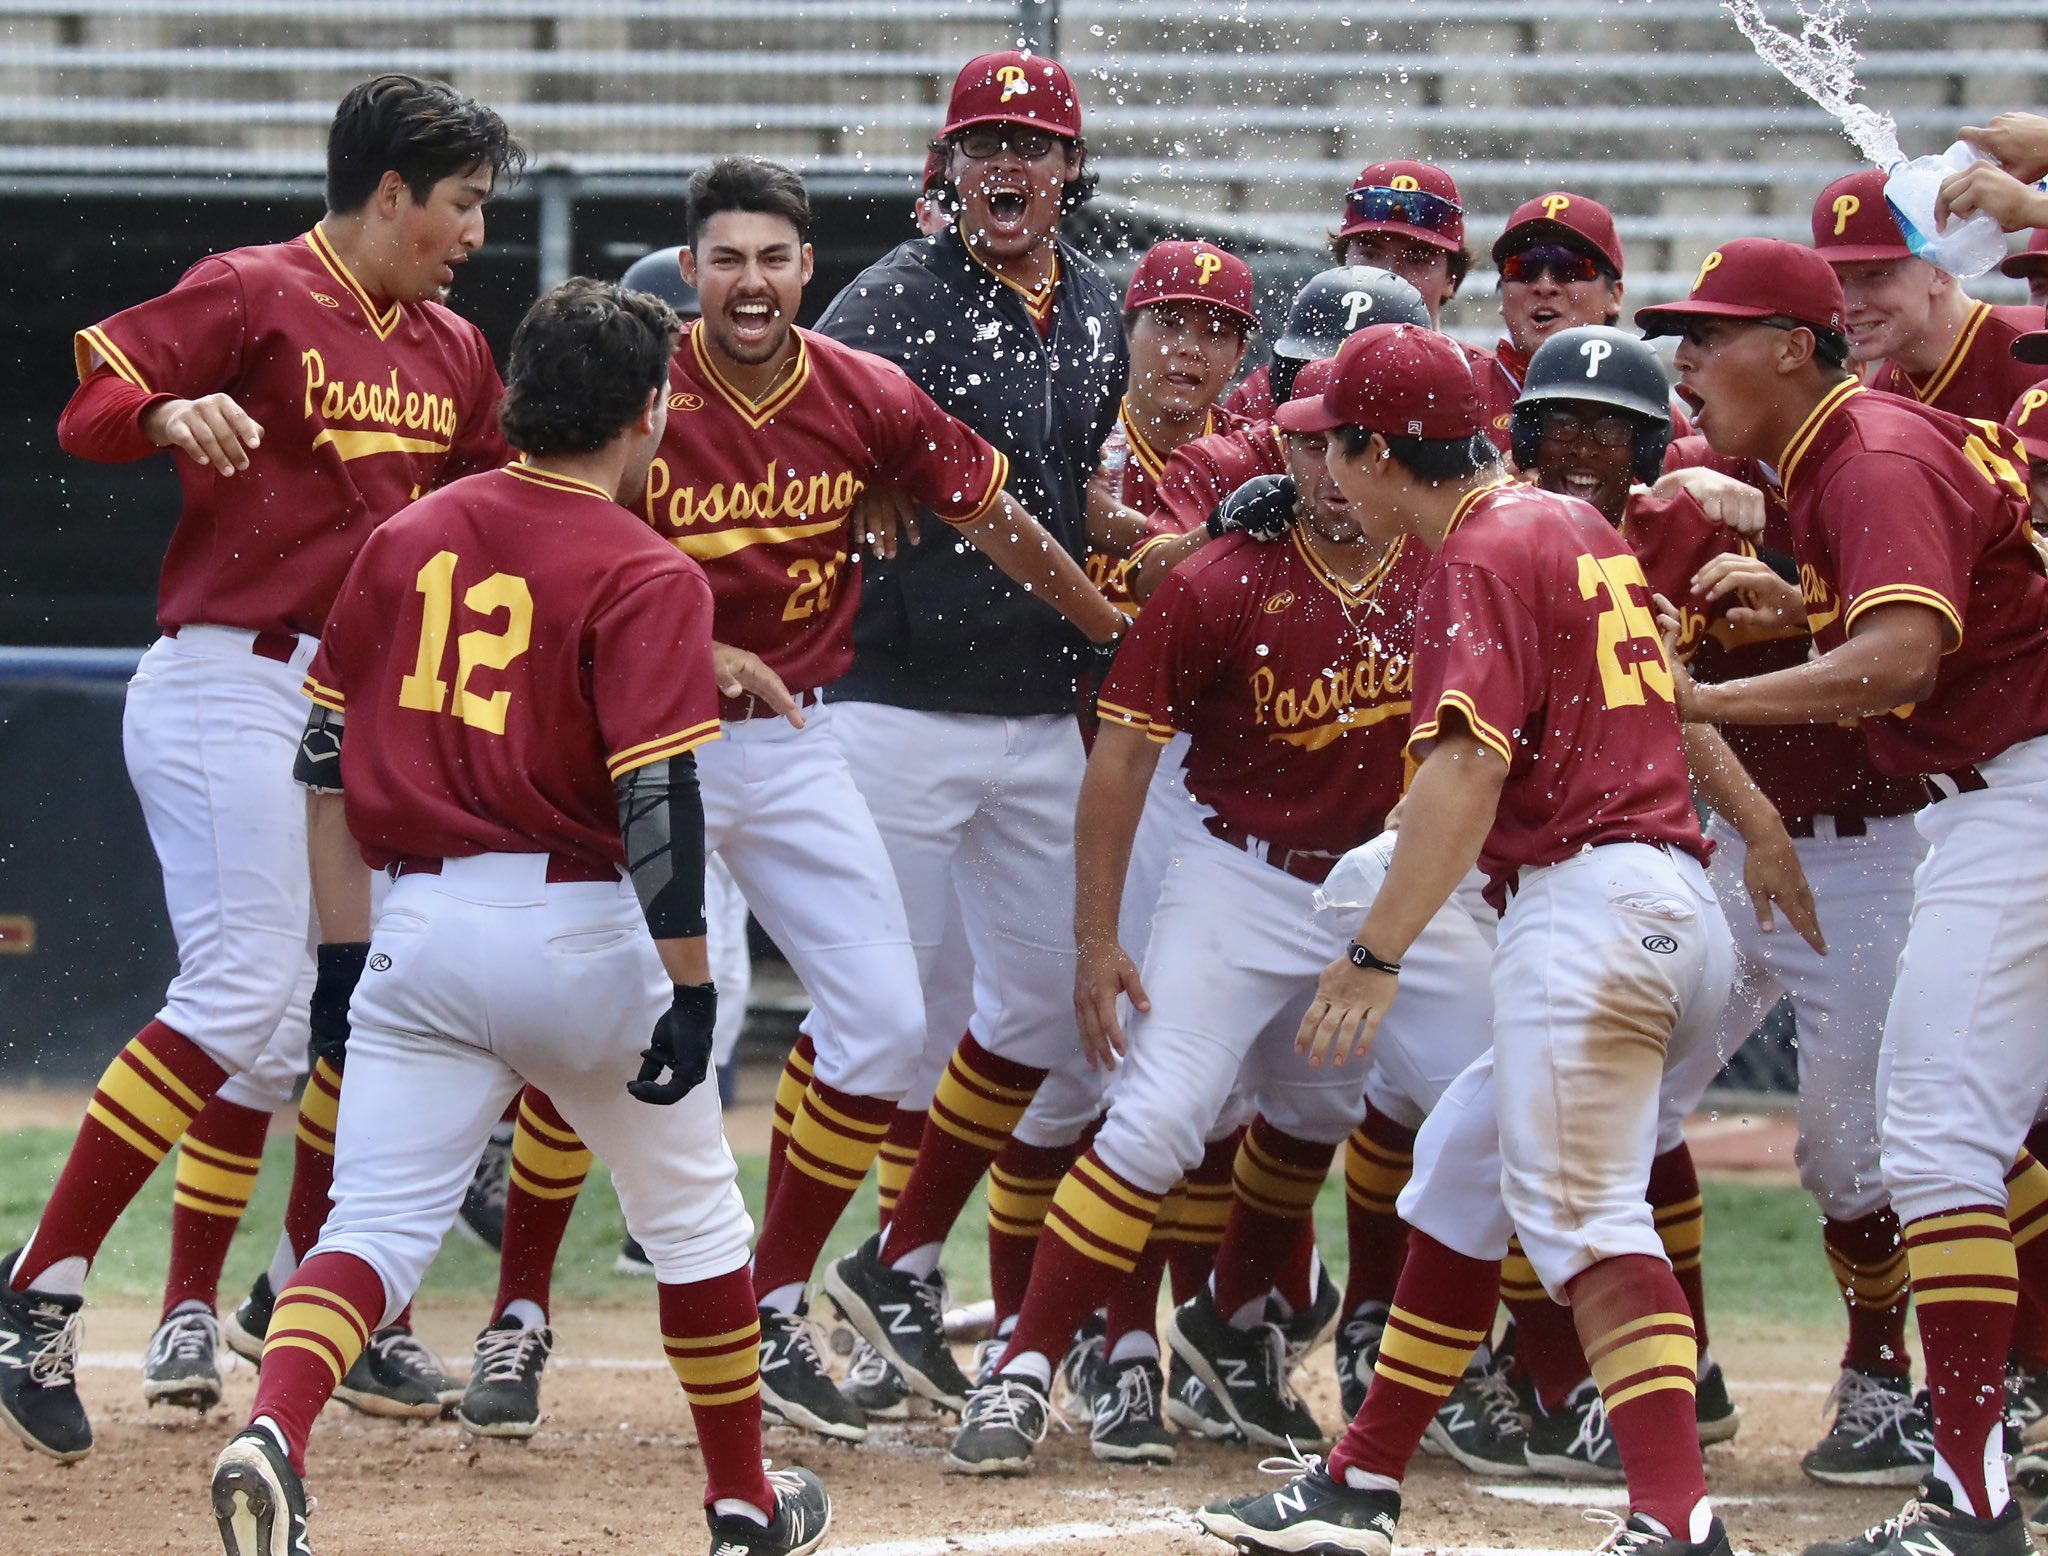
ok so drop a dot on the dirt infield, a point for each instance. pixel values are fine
(616, 1469)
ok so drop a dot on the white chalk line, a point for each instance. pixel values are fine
(1582, 1495)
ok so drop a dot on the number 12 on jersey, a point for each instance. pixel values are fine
(1625, 620)
(424, 689)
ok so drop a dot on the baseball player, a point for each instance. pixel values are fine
(307, 390)
(2031, 266)
(503, 779)
(1407, 217)
(2028, 422)
(1551, 754)
(1928, 628)
(772, 433)
(1286, 663)
(1188, 316)
(1912, 329)
(1018, 334)
(1204, 471)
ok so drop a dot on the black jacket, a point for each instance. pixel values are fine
(940, 627)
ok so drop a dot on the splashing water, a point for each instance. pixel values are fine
(1821, 62)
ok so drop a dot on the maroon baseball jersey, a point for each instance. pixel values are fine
(1980, 376)
(1893, 502)
(1804, 769)
(504, 650)
(761, 493)
(1127, 471)
(1535, 626)
(1291, 684)
(1200, 474)
(1252, 399)
(363, 407)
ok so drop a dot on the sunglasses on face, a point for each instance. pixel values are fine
(1566, 426)
(991, 140)
(1407, 207)
(1565, 265)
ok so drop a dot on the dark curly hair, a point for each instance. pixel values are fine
(584, 360)
(1077, 193)
(422, 130)
(748, 184)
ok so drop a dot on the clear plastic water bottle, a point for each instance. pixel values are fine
(1968, 248)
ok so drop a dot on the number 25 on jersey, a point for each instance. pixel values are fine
(424, 689)
(1625, 623)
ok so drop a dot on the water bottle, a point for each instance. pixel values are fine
(1968, 248)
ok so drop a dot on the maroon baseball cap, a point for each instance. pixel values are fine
(934, 170)
(1312, 379)
(1755, 278)
(2028, 421)
(1851, 221)
(1576, 221)
(1180, 272)
(2031, 261)
(1415, 199)
(1398, 379)
(1014, 88)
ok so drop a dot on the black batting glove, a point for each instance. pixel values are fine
(681, 1045)
(1262, 508)
(340, 965)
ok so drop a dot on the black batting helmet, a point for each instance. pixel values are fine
(1595, 364)
(1334, 305)
(662, 274)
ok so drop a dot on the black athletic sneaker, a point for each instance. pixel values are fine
(1311, 1513)
(902, 1317)
(1572, 1442)
(1880, 1437)
(1480, 1424)
(1358, 1351)
(1083, 1373)
(803, 1512)
(39, 1369)
(396, 1377)
(632, 1259)
(502, 1398)
(1002, 1423)
(182, 1366)
(1637, 1536)
(1193, 1408)
(1309, 1328)
(1246, 1369)
(1930, 1522)
(245, 1328)
(795, 1385)
(258, 1502)
(874, 1387)
(1719, 1417)
(1129, 1427)
(481, 1219)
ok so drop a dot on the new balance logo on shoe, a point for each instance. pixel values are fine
(899, 1318)
(1925, 1545)
(1236, 1373)
(728, 1548)
(1291, 1499)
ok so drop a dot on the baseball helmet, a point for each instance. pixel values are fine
(1331, 307)
(1594, 364)
(660, 274)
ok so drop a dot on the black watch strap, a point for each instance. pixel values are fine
(1361, 957)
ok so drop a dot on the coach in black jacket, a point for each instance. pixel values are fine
(957, 717)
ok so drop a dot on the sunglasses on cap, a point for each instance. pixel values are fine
(981, 141)
(1564, 265)
(1403, 207)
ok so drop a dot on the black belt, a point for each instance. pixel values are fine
(1845, 826)
(561, 869)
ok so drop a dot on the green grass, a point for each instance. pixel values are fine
(1764, 1255)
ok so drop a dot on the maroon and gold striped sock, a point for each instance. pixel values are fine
(1378, 1160)
(1681, 1215)
(1274, 1185)
(1637, 1333)
(978, 1104)
(549, 1165)
(144, 1102)
(1195, 1231)
(1965, 1284)
(1442, 1312)
(831, 1147)
(1868, 1259)
(217, 1165)
(312, 1194)
(790, 1087)
(324, 1317)
(1021, 1184)
(712, 1336)
(1095, 1233)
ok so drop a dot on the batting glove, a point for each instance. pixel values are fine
(681, 1045)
